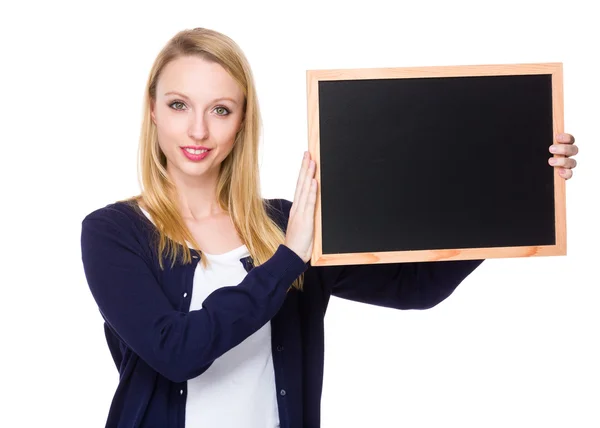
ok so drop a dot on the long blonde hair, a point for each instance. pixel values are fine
(238, 187)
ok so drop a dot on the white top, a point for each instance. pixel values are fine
(238, 389)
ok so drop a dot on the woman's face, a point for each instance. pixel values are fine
(197, 112)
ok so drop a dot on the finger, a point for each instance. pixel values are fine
(300, 179)
(310, 207)
(312, 197)
(565, 173)
(312, 203)
(563, 162)
(565, 138)
(564, 149)
(310, 173)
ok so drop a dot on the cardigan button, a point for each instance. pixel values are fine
(184, 295)
(280, 348)
(282, 392)
(181, 392)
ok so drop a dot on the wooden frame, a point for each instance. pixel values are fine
(313, 79)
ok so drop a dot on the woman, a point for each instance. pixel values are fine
(213, 315)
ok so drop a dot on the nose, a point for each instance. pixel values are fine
(198, 127)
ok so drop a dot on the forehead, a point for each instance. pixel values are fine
(198, 79)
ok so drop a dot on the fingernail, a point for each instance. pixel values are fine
(305, 155)
(560, 137)
(553, 149)
(553, 161)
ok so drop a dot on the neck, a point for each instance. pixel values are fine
(197, 197)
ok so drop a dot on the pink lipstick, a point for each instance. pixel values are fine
(195, 153)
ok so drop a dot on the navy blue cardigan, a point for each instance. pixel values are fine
(157, 343)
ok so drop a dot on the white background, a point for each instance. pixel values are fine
(515, 346)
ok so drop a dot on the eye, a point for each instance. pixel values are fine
(177, 105)
(222, 111)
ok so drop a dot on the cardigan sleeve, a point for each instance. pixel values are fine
(413, 285)
(178, 345)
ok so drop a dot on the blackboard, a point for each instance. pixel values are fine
(436, 163)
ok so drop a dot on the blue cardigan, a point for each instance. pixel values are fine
(157, 343)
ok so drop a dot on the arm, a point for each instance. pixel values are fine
(419, 285)
(176, 344)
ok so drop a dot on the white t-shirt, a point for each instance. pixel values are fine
(238, 389)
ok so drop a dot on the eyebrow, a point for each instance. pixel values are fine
(187, 98)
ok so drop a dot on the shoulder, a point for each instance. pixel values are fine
(117, 228)
(122, 215)
(279, 210)
(117, 234)
(279, 206)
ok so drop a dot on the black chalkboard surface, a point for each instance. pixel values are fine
(436, 163)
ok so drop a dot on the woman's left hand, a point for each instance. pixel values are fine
(566, 147)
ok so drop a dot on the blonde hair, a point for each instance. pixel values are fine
(238, 187)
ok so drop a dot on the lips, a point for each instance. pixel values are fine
(195, 153)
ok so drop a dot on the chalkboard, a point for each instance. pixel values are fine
(436, 163)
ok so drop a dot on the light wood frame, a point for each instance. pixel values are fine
(313, 77)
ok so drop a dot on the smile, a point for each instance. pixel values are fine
(194, 151)
(195, 154)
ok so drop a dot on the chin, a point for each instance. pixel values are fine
(194, 171)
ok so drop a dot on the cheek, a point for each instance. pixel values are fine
(226, 132)
(170, 129)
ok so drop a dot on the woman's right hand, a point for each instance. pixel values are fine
(301, 223)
